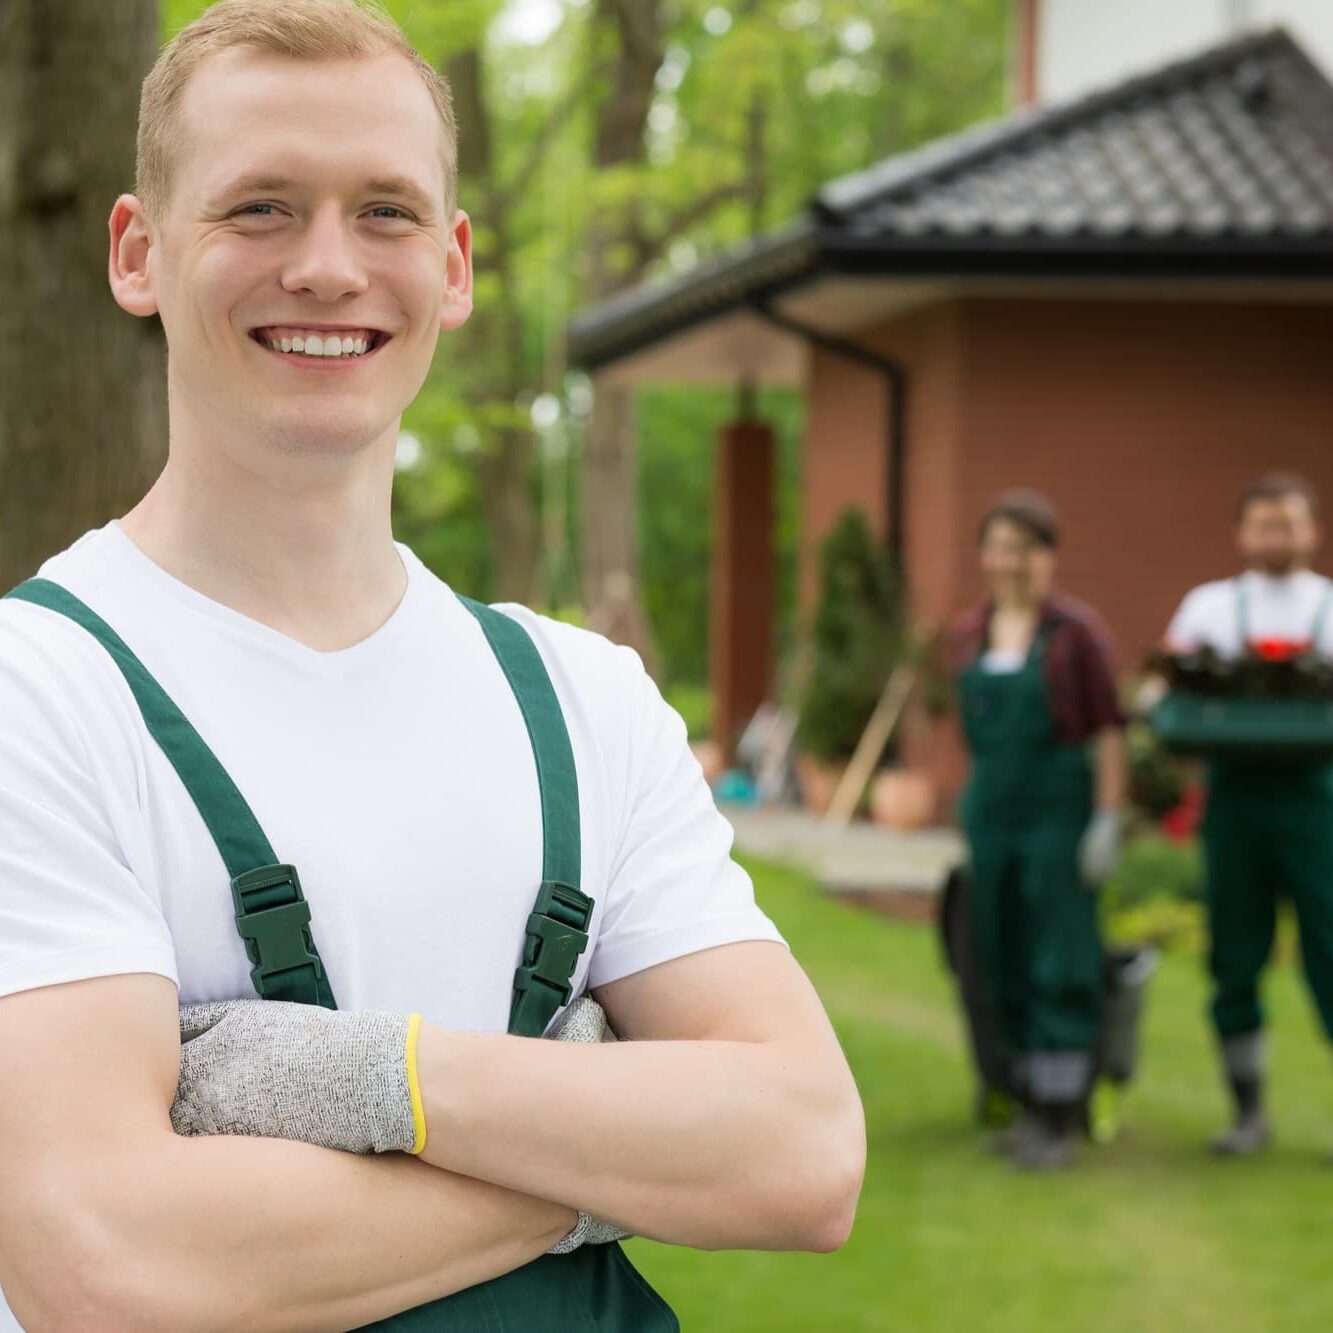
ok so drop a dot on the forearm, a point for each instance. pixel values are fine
(713, 1144)
(253, 1234)
(1111, 764)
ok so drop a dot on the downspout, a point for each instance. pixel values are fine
(895, 427)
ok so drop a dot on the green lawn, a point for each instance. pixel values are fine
(1148, 1234)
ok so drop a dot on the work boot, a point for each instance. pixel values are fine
(1004, 1142)
(1045, 1138)
(1249, 1135)
(1245, 1060)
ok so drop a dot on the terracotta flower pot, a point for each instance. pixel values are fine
(819, 779)
(903, 798)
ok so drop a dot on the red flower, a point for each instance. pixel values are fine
(1280, 650)
(1182, 823)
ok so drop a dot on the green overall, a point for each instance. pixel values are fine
(1024, 812)
(1267, 831)
(596, 1287)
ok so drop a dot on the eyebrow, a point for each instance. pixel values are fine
(395, 187)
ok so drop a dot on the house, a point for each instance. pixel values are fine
(1125, 299)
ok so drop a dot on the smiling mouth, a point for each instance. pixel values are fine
(321, 346)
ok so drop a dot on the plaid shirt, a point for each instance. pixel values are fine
(1079, 663)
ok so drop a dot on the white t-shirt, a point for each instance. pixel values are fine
(1003, 661)
(1286, 607)
(396, 775)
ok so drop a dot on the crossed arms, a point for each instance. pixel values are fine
(728, 1119)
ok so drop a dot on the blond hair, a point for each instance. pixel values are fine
(299, 29)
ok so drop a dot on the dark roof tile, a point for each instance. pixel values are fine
(1237, 141)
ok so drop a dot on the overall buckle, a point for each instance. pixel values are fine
(557, 933)
(277, 937)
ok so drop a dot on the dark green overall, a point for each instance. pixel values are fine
(1025, 810)
(596, 1287)
(1267, 831)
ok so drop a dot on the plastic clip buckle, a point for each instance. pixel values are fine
(556, 935)
(277, 939)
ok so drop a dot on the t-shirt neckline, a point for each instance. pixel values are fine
(237, 624)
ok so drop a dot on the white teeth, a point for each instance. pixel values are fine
(316, 344)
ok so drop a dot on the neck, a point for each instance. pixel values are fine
(1287, 573)
(1024, 603)
(311, 556)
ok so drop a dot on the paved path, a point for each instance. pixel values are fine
(862, 860)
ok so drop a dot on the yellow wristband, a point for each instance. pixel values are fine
(414, 1086)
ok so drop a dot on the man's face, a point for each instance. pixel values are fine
(1278, 536)
(1014, 564)
(306, 210)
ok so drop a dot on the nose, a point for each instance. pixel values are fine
(325, 261)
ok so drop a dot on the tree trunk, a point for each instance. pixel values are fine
(82, 385)
(506, 498)
(608, 527)
(505, 477)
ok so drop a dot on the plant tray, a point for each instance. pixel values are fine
(1236, 727)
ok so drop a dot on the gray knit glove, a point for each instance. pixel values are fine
(1099, 848)
(585, 1021)
(270, 1069)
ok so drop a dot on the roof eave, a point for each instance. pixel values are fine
(602, 336)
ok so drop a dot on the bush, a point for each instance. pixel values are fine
(1155, 868)
(858, 637)
(1156, 896)
(1157, 780)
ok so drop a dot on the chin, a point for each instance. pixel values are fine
(335, 436)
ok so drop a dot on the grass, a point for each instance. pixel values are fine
(1146, 1235)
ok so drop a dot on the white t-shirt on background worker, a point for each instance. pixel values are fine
(1282, 607)
(396, 775)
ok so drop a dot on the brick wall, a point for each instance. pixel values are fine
(1142, 420)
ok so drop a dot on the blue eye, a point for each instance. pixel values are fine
(389, 208)
(249, 209)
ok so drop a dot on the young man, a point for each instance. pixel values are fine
(1268, 828)
(247, 655)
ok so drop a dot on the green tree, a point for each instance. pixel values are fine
(858, 638)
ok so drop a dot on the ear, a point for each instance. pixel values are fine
(458, 275)
(129, 267)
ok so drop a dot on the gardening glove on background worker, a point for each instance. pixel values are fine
(1099, 850)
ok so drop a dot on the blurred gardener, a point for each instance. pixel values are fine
(1268, 826)
(1042, 814)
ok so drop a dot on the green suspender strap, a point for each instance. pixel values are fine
(1321, 614)
(557, 931)
(272, 915)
